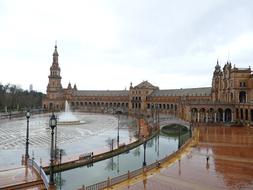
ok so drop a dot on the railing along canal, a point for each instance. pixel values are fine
(34, 164)
(110, 182)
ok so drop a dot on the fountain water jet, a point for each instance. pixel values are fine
(67, 117)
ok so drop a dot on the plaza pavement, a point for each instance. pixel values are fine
(20, 178)
(230, 164)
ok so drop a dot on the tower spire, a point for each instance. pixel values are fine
(55, 54)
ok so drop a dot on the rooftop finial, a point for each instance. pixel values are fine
(55, 54)
(228, 57)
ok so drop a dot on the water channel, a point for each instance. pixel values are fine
(156, 149)
(90, 136)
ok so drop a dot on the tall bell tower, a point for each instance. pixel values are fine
(54, 84)
(54, 99)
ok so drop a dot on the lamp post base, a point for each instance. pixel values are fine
(26, 160)
(52, 187)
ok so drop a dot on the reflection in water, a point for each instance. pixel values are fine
(111, 165)
(118, 164)
(207, 165)
(157, 148)
(232, 150)
(137, 151)
(157, 142)
(93, 134)
(145, 183)
(59, 181)
(179, 167)
(229, 166)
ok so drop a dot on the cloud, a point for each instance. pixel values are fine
(168, 43)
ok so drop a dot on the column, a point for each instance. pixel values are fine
(215, 117)
(223, 116)
(232, 116)
(206, 117)
(249, 116)
(198, 115)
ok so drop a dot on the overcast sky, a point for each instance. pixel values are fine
(108, 44)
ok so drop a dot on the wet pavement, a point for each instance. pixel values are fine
(17, 176)
(230, 164)
(91, 136)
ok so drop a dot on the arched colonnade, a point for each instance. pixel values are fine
(212, 115)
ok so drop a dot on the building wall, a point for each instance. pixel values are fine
(230, 98)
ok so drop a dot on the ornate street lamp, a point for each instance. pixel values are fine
(52, 123)
(144, 159)
(179, 137)
(190, 130)
(27, 137)
(118, 130)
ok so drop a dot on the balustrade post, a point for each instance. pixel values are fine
(128, 174)
(108, 182)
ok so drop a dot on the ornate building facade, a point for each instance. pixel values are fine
(230, 99)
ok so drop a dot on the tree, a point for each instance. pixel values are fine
(15, 98)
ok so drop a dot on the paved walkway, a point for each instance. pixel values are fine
(19, 176)
(230, 164)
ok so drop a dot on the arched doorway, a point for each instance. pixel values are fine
(202, 115)
(211, 115)
(194, 115)
(220, 115)
(228, 115)
(51, 106)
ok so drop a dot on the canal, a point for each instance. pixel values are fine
(156, 149)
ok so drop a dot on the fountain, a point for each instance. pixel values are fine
(67, 117)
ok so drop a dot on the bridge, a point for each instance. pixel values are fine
(167, 120)
(30, 176)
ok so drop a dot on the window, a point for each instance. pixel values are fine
(242, 84)
(242, 97)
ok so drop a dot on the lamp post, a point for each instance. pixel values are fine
(179, 137)
(118, 130)
(190, 130)
(144, 159)
(27, 137)
(52, 123)
(55, 144)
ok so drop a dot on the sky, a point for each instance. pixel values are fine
(106, 44)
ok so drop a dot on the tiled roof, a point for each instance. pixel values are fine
(205, 91)
(101, 93)
(145, 84)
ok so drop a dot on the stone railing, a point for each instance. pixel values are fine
(131, 174)
(40, 171)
